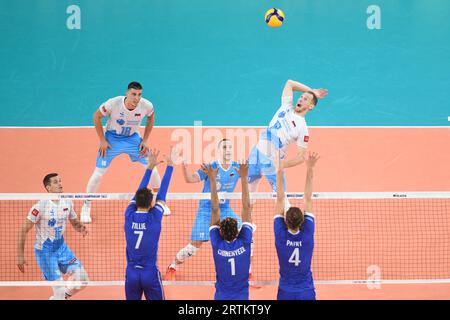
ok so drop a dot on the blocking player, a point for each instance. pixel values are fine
(142, 232)
(294, 240)
(122, 136)
(53, 256)
(231, 247)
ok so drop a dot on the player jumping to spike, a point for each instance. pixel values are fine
(287, 126)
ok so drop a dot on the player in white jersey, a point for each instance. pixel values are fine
(122, 136)
(288, 126)
(53, 256)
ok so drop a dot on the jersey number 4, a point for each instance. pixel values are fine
(295, 257)
(139, 239)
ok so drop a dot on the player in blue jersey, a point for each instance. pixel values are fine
(227, 178)
(125, 114)
(294, 239)
(142, 232)
(53, 255)
(231, 247)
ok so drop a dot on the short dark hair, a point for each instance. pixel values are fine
(294, 218)
(143, 198)
(314, 97)
(48, 177)
(222, 141)
(134, 85)
(229, 228)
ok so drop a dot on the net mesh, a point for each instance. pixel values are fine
(401, 236)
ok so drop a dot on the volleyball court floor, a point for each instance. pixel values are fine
(352, 160)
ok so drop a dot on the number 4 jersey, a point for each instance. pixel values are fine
(121, 120)
(295, 253)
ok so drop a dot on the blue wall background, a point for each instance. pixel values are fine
(218, 62)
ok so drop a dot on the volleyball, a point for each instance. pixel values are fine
(274, 17)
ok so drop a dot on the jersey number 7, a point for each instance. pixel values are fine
(140, 235)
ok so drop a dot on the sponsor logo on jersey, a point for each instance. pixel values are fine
(293, 122)
(306, 139)
(121, 114)
(104, 109)
(73, 260)
(120, 121)
(35, 212)
(51, 222)
(66, 209)
(281, 114)
(137, 114)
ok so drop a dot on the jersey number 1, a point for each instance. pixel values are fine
(233, 267)
(140, 235)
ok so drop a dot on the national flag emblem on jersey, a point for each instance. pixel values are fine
(104, 109)
(35, 212)
(73, 260)
(306, 139)
(66, 209)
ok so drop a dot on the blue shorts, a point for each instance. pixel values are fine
(260, 165)
(55, 262)
(121, 144)
(299, 295)
(143, 281)
(200, 230)
(242, 295)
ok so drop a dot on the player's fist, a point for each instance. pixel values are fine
(143, 149)
(21, 264)
(320, 93)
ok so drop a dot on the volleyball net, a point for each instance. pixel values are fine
(386, 237)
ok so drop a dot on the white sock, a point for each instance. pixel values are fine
(58, 291)
(94, 181)
(253, 187)
(76, 275)
(186, 252)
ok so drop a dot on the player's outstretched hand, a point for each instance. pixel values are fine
(243, 169)
(153, 159)
(208, 169)
(320, 93)
(173, 156)
(143, 149)
(21, 264)
(104, 146)
(312, 159)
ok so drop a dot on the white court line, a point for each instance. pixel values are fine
(211, 283)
